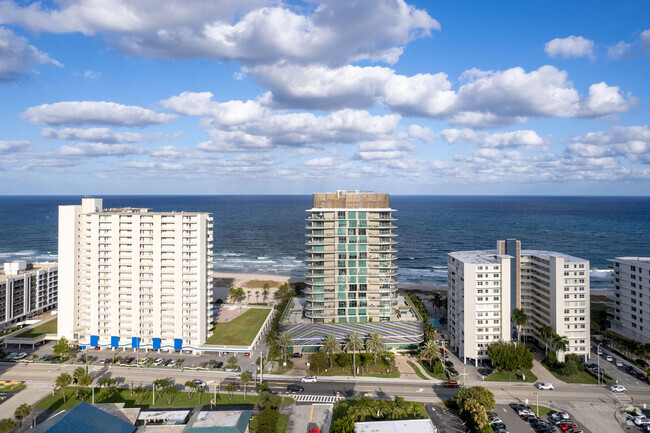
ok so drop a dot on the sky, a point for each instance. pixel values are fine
(268, 97)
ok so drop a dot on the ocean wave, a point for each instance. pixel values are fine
(601, 274)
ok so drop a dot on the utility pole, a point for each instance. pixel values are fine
(598, 358)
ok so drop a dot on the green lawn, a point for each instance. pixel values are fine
(582, 377)
(44, 328)
(514, 376)
(542, 410)
(13, 388)
(124, 396)
(240, 331)
(425, 366)
(283, 424)
(417, 370)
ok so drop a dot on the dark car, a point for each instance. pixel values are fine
(449, 364)
(484, 371)
(592, 366)
(531, 419)
(295, 388)
(641, 362)
(297, 355)
(630, 370)
(452, 371)
(218, 364)
(642, 376)
(498, 426)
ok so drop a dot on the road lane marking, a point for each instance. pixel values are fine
(311, 415)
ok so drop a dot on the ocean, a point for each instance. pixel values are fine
(266, 234)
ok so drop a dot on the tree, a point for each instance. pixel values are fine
(381, 409)
(6, 425)
(231, 388)
(284, 341)
(108, 385)
(22, 412)
(245, 379)
(140, 393)
(400, 409)
(519, 318)
(192, 386)
(199, 394)
(160, 385)
(267, 421)
(375, 344)
(63, 380)
(318, 361)
(257, 295)
(560, 343)
(354, 343)
(330, 346)
(77, 374)
(170, 392)
(508, 356)
(482, 395)
(232, 362)
(61, 348)
(343, 425)
(570, 368)
(361, 409)
(437, 301)
(546, 333)
(265, 292)
(84, 380)
(430, 351)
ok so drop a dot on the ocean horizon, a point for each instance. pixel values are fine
(265, 234)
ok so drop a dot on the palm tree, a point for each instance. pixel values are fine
(381, 408)
(199, 394)
(170, 392)
(354, 343)
(245, 378)
(330, 346)
(519, 318)
(107, 383)
(400, 409)
(546, 333)
(284, 341)
(560, 343)
(362, 409)
(375, 344)
(160, 385)
(265, 292)
(192, 386)
(140, 393)
(231, 388)
(437, 301)
(85, 380)
(22, 412)
(430, 351)
(77, 374)
(63, 380)
(257, 295)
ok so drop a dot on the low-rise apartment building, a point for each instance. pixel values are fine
(629, 316)
(26, 290)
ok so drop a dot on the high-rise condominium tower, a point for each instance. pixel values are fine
(132, 277)
(629, 316)
(486, 286)
(350, 255)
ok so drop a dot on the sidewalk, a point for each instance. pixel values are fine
(543, 375)
(30, 395)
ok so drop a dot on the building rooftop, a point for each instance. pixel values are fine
(84, 417)
(633, 259)
(490, 256)
(348, 199)
(10, 271)
(401, 426)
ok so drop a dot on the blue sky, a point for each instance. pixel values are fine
(216, 97)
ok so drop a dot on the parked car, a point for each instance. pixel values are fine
(452, 371)
(309, 379)
(576, 430)
(524, 412)
(295, 388)
(496, 421)
(449, 364)
(617, 388)
(600, 352)
(297, 355)
(158, 362)
(219, 364)
(566, 426)
(630, 370)
(619, 363)
(20, 356)
(609, 358)
(642, 362)
(642, 376)
(531, 418)
(498, 426)
(558, 416)
(484, 371)
(143, 361)
(544, 385)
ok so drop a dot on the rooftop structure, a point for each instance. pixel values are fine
(84, 417)
(400, 426)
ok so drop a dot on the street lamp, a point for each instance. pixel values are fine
(537, 403)
(52, 376)
(598, 357)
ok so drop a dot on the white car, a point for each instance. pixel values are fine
(20, 356)
(158, 362)
(546, 385)
(200, 383)
(143, 361)
(496, 420)
(609, 358)
(617, 388)
(309, 379)
(619, 363)
(526, 411)
(600, 352)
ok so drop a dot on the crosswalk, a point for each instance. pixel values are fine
(597, 407)
(622, 398)
(316, 398)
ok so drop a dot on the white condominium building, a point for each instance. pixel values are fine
(551, 288)
(631, 292)
(26, 290)
(133, 277)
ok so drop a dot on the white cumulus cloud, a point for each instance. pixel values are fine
(501, 140)
(94, 113)
(18, 57)
(572, 46)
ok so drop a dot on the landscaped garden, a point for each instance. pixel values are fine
(347, 412)
(48, 327)
(368, 364)
(241, 330)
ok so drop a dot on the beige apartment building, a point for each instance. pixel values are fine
(552, 289)
(629, 316)
(130, 277)
(350, 258)
(26, 290)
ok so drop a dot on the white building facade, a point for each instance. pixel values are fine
(629, 316)
(131, 277)
(26, 290)
(551, 288)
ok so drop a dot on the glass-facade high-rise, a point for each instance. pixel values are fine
(350, 258)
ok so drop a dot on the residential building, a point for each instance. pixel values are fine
(551, 288)
(350, 258)
(26, 290)
(133, 277)
(397, 426)
(631, 290)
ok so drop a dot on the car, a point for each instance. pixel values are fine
(609, 358)
(296, 355)
(46, 357)
(452, 371)
(170, 363)
(498, 426)
(97, 348)
(451, 384)
(237, 377)
(443, 351)
(542, 425)
(531, 418)
(592, 365)
(559, 416)
(642, 362)
(568, 420)
(642, 421)
(642, 376)
(566, 426)
(524, 412)
(142, 361)
(449, 364)
(492, 414)
(617, 388)
(630, 370)
(158, 362)
(295, 388)
(600, 352)
(20, 356)
(200, 383)
(634, 416)
(619, 363)
(315, 430)
(484, 371)
(219, 364)
(496, 421)
(309, 379)
(576, 430)
(501, 430)
(544, 385)
(247, 354)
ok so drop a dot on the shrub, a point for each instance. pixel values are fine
(438, 368)
(267, 421)
(509, 356)
(570, 368)
(343, 425)
(551, 359)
